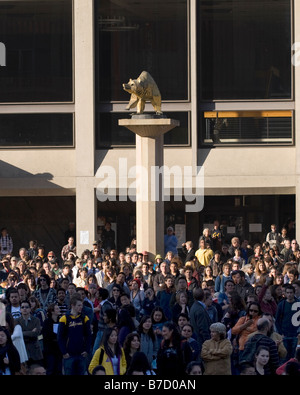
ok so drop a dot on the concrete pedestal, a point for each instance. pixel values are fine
(149, 130)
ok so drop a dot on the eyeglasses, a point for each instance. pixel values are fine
(42, 279)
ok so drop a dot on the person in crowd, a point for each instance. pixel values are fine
(284, 322)
(204, 254)
(31, 328)
(281, 370)
(139, 365)
(170, 362)
(242, 287)
(51, 350)
(17, 338)
(9, 356)
(273, 236)
(148, 338)
(181, 305)
(247, 324)
(262, 356)
(6, 243)
(13, 302)
(158, 320)
(188, 251)
(110, 354)
(132, 344)
(187, 332)
(74, 338)
(126, 318)
(266, 300)
(261, 338)
(137, 296)
(199, 317)
(195, 368)
(150, 302)
(70, 247)
(45, 294)
(170, 241)
(216, 352)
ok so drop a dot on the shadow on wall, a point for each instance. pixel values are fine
(33, 207)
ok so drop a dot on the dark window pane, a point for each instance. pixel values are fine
(246, 129)
(38, 40)
(150, 35)
(36, 130)
(109, 133)
(244, 49)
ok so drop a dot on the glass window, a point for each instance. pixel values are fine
(38, 40)
(110, 134)
(250, 127)
(245, 49)
(36, 130)
(150, 35)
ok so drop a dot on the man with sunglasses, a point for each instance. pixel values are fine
(31, 328)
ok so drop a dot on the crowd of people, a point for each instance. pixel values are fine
(218, 309)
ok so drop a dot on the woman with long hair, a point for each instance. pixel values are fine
(139, 365)
(132, 344)
(110, 276)
(262, 356)
(110, 354)
(158, 319)
(148, 338)
(260, 272)
(9, 356)
(51, 350)
(30, 281)
(170, 361)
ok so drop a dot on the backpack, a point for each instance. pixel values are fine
(101, 356)
(247, 355)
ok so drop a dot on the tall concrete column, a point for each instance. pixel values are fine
(84, 86)
(149, 132)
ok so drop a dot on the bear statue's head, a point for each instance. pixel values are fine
(130, 86)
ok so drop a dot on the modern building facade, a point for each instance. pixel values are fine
(228, 70)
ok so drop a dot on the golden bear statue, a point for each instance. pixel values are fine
(143, 89)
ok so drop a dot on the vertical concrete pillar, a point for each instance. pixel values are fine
(149, 202)
(84, 123)
(149, 212)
